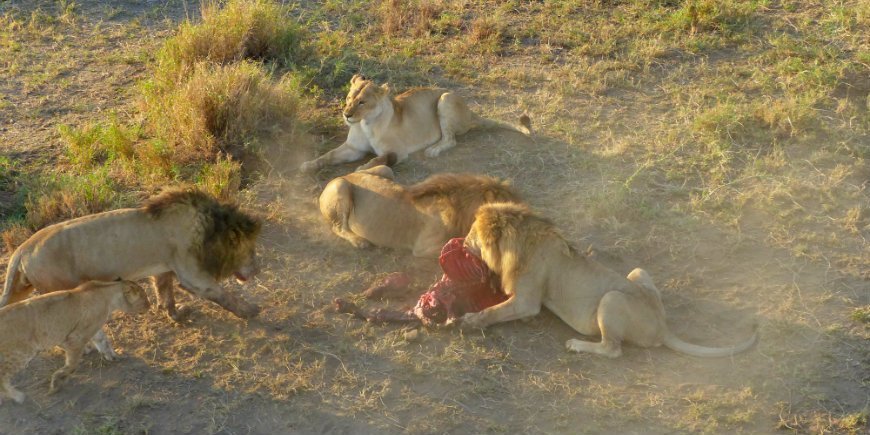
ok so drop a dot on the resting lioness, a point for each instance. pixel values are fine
(181, 233)
(538, 267)
(420, 118)
(68, 319)
(367, 207)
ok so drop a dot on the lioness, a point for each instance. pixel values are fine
(419, 118)
(68, 319)
(182, 232)
(367, 207)
(538, 267)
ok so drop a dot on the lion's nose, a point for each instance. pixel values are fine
(348, 114)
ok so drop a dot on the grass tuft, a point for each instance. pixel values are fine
(258, 30)
(59, 197)
(413, 18)
(220, 110)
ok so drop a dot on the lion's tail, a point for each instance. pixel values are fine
(674, 343)
(12, 272)
(524, 126)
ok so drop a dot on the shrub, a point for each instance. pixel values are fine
(221, 109)
(241, 29)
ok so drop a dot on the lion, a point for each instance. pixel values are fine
(369, 208)
(69, 319)
(183, 233)
(429, 118)
(538, 267)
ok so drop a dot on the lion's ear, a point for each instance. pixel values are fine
(357, 77)
(386, 88)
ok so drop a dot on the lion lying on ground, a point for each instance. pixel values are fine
(68, 319)
(420, 118)
(538, 267)
(184, 233)
(367, 207)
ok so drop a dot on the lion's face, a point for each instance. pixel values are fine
(472, 242)
(362, 100)
(248, 268)
(137, 301)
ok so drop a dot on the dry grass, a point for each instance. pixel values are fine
(402, 17)
(222, 110)
(230, 32)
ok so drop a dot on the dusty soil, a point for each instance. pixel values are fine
(299, 367)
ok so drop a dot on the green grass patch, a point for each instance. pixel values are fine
(861, 314)
(221, 110)
(58, 197)
(260, 30)
(219, 89)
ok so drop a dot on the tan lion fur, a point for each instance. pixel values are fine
(369, 207)
(183, 232)
(68, 319)
(538, 267)
(420, 118)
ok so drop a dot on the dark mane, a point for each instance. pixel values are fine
(460, 195)
(462, 185)
(228, 234)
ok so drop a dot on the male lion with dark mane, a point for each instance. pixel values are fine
(538, 267)
(368, 207)
(421, 118)
(182, 232)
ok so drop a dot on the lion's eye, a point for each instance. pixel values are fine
(361, 103)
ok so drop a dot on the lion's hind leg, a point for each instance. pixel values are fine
(613, 313)
(73, 350)
(336, 204)
(453, 118)
(10, 364)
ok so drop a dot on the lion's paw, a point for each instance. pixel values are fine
(249, 311)
(361, 244)
(469, 321)
(182, 314)
(111, 355)
(18, 397)
(309, 167)
(432, 151)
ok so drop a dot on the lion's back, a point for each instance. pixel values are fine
(103, 246)
(41, 322)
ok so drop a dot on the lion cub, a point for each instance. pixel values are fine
(69, 319)
(429, 118)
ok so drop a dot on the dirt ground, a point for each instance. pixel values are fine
(301, 368)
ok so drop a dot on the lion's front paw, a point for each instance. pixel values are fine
(361, 244)
(432, 151)
(470, 321)
(16, 396)
(111, 355)
(248, 311)
(181, 314)
(309, 167)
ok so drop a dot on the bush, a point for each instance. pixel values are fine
(243, 29)
(221, 109)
